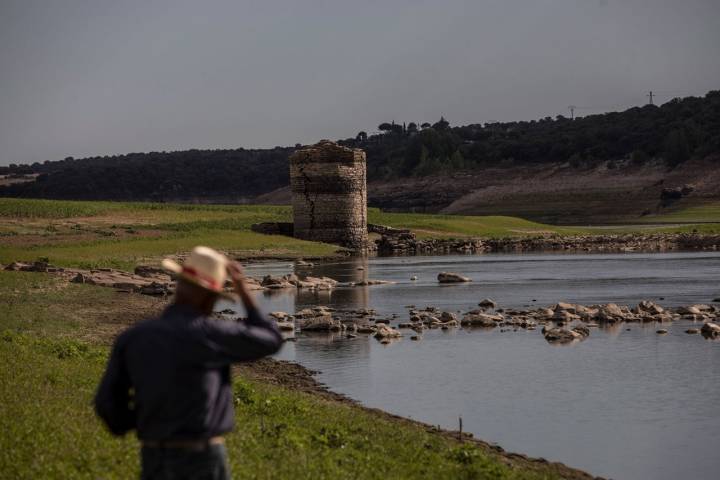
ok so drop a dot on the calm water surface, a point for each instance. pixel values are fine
(622, 404)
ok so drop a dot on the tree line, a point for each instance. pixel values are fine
(671, 133)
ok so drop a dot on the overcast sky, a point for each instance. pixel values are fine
(101, 77)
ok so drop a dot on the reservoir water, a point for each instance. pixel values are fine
(623, 404)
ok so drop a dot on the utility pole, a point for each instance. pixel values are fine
(572, 112)
(650, 96)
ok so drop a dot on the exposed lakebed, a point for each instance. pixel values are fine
(626, 404)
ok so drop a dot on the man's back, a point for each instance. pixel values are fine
(178, 366)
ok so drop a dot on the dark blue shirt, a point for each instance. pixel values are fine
(169, 377)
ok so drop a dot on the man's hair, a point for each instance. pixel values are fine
(188, 293)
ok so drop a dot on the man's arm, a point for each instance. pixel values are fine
(254, 338)
(112, 400)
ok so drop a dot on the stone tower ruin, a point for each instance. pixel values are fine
(329, 194)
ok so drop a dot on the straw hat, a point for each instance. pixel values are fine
(204, 267)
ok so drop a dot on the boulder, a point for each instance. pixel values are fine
(488, 303)
(582, 330)
(449, 277)
(568, 307)
(611, 313)
(286, 326)
(691, 310)
(447, 317)
(385, 331)
(480, 320)
(271, 282)
(650, 307)
(710, 330)
(305, 313)
(322, 323)
(561, 335)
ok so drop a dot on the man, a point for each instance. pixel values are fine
(169, 377)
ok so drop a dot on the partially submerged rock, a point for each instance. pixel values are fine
(449, 277)
(481, 320)
(710, 330)
(286, 326)
(562, 335)
(488, 303)
(321, 323)
(385, 331)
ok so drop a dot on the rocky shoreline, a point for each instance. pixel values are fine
(407, 243)
(562, 323)
(559, 323)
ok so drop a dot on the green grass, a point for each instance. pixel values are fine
(693, 214)
(48, 429)
(434, 225)
(127, 253)
(122, 234)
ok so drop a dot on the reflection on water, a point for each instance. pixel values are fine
(625, 403)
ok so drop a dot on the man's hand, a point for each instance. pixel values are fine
(237, 276)
(236, 273)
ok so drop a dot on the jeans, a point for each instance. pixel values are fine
(185, 464)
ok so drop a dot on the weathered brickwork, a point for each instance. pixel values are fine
(329, 194)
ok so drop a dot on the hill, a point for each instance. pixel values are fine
(617, 166)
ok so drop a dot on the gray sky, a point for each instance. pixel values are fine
(100, 77)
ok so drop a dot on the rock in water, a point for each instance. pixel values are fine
(385, 331)
(582, 330)
(710, 330)
(691, 310)
(650, 307)
(561, 335)
(322, 323)
(480, 320)
(662, 331)
(488, 303)
(449, 277)
(447, 317)
(286, 326)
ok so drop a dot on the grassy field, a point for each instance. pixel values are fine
(709, 213)
(54, 343)
(122, 235)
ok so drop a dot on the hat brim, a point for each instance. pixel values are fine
(176, 269)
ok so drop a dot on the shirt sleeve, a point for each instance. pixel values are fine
(246, 340)
(113, 400)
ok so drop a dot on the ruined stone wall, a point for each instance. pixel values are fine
(329, 194)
